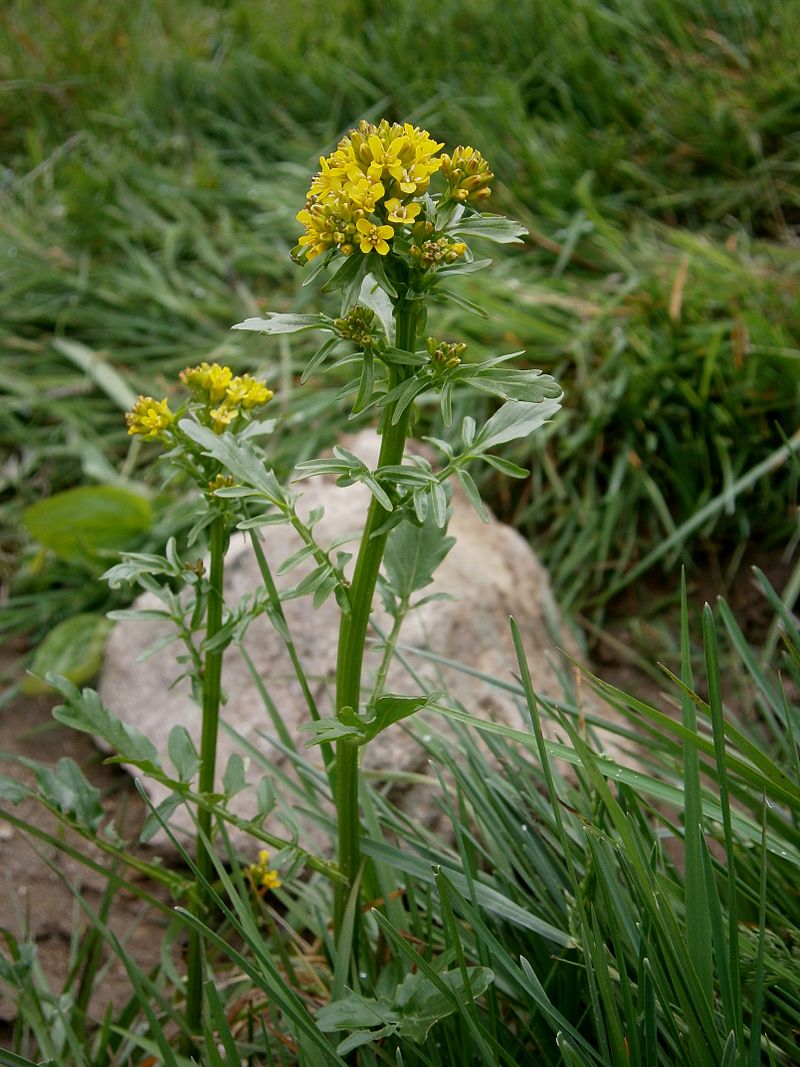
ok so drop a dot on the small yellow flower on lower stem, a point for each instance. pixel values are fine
(149, 418)
(260, 875)
(373, 236)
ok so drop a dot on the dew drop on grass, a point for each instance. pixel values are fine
(426, 737)
(524, 828)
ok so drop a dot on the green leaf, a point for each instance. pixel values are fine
(239, 457)
(495, 228)
(515, 419)
(422, 1004)
(416, 1006)
(461, 301)
(375, 297)
(319, 358)
(510, 384)
(12, 791)
(83, 710)
(505, 466)
(281, 323)
(159, 817)
(67, 790)
(234, 779)
(378, 268)
(329, 728)
(473, 494)
(413, 553)
(73, 648)
(81, 525)
(391, 708)
(366, 384)
(182, 752)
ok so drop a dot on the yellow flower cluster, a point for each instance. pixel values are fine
(225, 396)
(375, 171)
(260, 875)
(149, 418)
(444, 356)
(467, 175)
(433, 253)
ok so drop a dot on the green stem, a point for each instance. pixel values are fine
(353, 631)
(212, 685)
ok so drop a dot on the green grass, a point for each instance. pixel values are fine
(153, 158)
(642, 916)
(156, 155)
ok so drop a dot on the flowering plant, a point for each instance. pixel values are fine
(389, 243)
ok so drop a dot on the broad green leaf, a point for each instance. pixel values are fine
(81, 525)
(73, 648)
(515, 419)
(276, 322)
(413, 554)
(422, 1004)
(416, 1006)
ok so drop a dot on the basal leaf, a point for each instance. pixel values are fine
(73, 648)
(82, 525)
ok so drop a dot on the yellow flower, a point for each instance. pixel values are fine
(260, 875)
(208, 381)
(149, 418)
(222, 416)
(352, 183)
(373, 236)
(247, 392)
(366, 194)
(467, 174)
(402, 213)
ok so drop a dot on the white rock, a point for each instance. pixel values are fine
(491, 573)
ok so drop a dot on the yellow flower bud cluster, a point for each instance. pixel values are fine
(260, 875)
(467, 174)
(362, 190)
(436, 253)
(360, 326)
(444, 356)
(149, 418)
(225, 396)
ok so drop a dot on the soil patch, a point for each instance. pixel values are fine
(37, 905)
